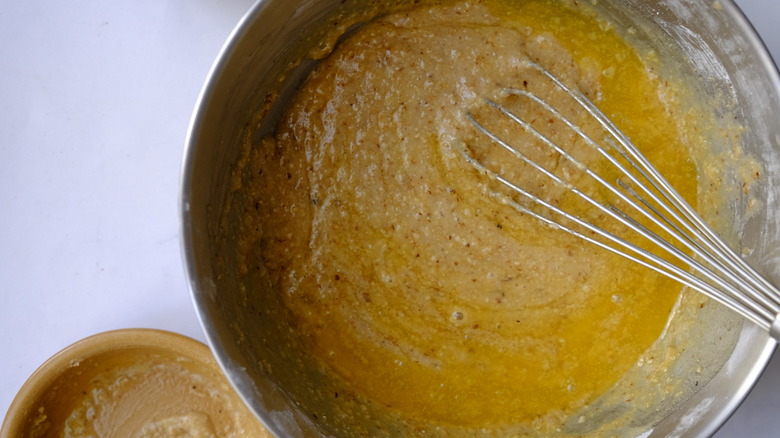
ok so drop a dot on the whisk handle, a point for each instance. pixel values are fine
(774, 330)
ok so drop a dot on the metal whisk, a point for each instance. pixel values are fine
(646, 197)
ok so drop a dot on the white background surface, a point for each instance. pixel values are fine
(95, 100)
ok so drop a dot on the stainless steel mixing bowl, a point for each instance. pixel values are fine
(717, 44)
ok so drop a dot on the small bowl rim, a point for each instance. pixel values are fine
(49, 371)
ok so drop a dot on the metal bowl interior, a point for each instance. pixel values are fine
(720, 47)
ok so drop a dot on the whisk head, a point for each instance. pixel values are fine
(574, 155)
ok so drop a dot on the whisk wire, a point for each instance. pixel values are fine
(766, 292)
(627, 149)
(604, 208)
(722, 274)
(716, 260)
(603, 152)
(647, 259)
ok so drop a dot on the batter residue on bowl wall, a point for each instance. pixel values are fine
(403, 294)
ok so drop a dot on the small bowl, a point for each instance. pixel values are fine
(134, 382)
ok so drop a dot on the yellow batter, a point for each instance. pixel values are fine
(416, 293)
